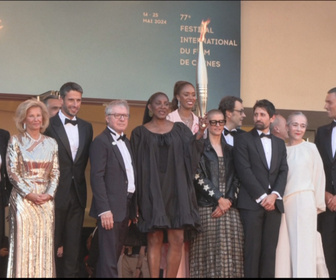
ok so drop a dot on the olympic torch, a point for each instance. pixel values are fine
(201, 74)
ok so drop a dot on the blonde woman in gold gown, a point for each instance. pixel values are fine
(32, 165)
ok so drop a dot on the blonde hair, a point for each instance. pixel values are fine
(21, 114)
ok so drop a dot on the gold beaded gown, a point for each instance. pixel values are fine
(32, 168)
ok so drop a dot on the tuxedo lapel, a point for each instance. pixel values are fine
(260, 148)
(82, 136)
(60, 131)
(328, 142)
(275, 154)
(115, 149)
(3, 151)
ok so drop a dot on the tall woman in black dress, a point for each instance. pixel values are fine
(166, 157)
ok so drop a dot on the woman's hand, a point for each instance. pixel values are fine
(203, 122)
(38, 199)
(217, 213)
(224, 204)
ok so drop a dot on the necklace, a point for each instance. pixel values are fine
(188, 121)
(35, 140)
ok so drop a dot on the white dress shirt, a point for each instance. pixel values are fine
(267, 145)
(72, 133)
(333, 141)
(127, 160)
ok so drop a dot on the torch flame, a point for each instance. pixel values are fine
(203, 29)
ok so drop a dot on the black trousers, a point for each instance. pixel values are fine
(110, 246)
(68, 233)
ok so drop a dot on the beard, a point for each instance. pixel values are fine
(260, 126)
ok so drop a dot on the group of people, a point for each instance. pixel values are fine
(211, 199)
(46, 164)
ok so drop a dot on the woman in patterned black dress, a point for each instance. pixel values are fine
(217, 252)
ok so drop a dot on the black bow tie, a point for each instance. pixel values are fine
(265, 135)
(122, 137)
(73, 122)
(232, 132)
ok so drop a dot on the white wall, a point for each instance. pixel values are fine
(288, 53)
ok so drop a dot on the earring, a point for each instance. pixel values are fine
(150, 113)
(178, 103)
(24, 126)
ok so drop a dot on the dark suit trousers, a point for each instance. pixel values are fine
(110, 246)
(68, 232)
(2, 216)
(327, 228)
(261, 230)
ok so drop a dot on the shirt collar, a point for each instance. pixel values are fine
(63, 117)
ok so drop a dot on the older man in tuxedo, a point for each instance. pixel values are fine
(113, 186)
(325, 141)
(73, 136)
(261, 163)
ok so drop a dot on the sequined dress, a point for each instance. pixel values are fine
(32, 168)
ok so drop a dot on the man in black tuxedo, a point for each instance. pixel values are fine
(74, 137)
(113, 185)
(325, 141)
(5, 190)
(261, 163)
(233, 111)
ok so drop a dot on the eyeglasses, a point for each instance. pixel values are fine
(240, 111)
(119, 116)
(214, 123)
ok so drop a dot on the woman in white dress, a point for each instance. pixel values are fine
(299, 247)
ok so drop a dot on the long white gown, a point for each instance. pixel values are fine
(299, 251)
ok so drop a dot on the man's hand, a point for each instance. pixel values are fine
(269, 202)
(107, 220)
(3, 252)
(330, 201)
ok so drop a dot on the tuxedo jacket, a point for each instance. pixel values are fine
(109, 178)
(323, 144)
(5, 185)
(71, 169)
(253, 172)
(239, 131)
